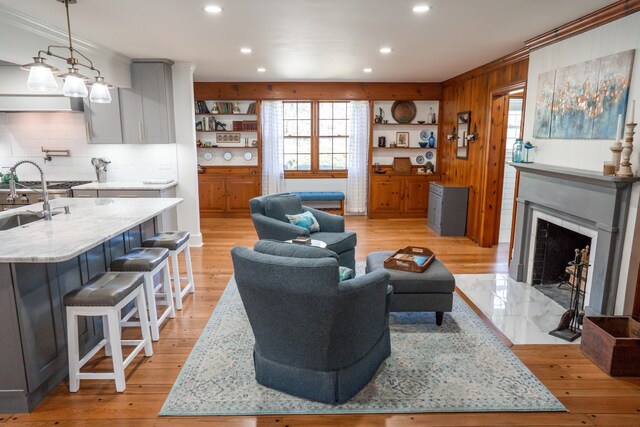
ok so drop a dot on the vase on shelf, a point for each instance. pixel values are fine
(432, 141)
(517, 156)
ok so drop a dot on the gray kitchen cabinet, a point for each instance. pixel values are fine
(33, 350)
(85, 193)
(103, 121)
(448, 209)
(147, 107)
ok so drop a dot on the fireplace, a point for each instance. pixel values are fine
(554, 247)
(584, 202)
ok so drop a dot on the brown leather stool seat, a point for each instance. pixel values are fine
(140, 259)
(105, 290)
(171, 240)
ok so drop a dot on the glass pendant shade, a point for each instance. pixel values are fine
(100, 93)
(74, 87)
(41, 79)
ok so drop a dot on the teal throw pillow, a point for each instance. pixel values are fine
(306, 220)
(345, 273)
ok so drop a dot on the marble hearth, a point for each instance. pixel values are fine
(580, 200)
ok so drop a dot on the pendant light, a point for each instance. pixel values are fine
(41, 74)
(100, 92)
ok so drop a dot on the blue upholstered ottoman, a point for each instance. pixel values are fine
(431, 290)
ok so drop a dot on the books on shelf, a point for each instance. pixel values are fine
(222, 107)
(201, 107)
(206, 124)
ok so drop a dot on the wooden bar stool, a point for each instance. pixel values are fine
(176, 242)
(105, 296)
(149, 261)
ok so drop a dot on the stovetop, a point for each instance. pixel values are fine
(51, 185)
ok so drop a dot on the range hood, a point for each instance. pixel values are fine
(41, 103)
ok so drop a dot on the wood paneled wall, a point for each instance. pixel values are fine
(317, 91)
(472, 91)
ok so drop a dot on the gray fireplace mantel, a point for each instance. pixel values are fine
(585, 198)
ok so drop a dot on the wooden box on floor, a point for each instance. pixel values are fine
(612, 343)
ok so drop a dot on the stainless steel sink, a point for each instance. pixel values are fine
(18, 219)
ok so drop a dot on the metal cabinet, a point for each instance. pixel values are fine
(448, 209)
(147, 107)
(103, 121)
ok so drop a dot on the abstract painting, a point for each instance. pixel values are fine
(544, 101)
(613, 93)
(574, 100)
(583, 101)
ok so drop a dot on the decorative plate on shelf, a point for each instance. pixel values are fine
(429, 155)
(208, 156)
(403, 111)
(419, 160)
(424, 135)
(248, 156)
(228, 156)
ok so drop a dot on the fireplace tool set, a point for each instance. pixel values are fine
(570, 326)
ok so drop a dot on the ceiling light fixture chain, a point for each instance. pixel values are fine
(41, 74)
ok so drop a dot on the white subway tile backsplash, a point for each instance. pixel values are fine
(22, 135)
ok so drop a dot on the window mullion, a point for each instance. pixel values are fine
(315, 140)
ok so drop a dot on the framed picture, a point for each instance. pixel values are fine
(228, 137)
(402, 139)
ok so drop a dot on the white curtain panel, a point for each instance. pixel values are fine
(272, 148)
(358, 158)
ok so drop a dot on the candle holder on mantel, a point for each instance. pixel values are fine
(616, 151)
(627, 149)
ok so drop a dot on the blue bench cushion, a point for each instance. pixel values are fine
(320, 195)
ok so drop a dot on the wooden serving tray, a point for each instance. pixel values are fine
(395, 262)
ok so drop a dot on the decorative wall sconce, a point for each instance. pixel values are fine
(453, 135)
(473, 136)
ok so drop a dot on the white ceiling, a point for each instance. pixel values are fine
(317, 40)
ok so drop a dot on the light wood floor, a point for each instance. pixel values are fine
(591, 397)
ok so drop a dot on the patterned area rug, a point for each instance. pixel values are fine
(461, 366)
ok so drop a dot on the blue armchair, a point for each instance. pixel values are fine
(268, 215)
(316, 337)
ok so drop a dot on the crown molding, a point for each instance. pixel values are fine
(13, 18)
(603, 16)
(600, 17)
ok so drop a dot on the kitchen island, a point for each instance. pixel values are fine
(39, 263)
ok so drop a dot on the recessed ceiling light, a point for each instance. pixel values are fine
(246, 50)
(421, 8)
(213, 9)
(385, 50)
(367, 70)
(261, 69)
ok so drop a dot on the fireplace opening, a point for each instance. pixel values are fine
(554, 248)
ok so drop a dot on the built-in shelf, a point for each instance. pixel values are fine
(225, 114)
(404, 148)
(405, 124)
(228, 131)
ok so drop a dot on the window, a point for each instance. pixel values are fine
(315, 137)
(297, 136)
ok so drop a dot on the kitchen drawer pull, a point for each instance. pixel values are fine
(88, 131)
(127, 196)
(141, 131)
(83, 196)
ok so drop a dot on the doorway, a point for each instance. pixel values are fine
(513, 132)
(505, 126)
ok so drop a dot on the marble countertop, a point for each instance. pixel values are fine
(90, 223)
(126, 185)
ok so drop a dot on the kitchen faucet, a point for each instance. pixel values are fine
(46, 212)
